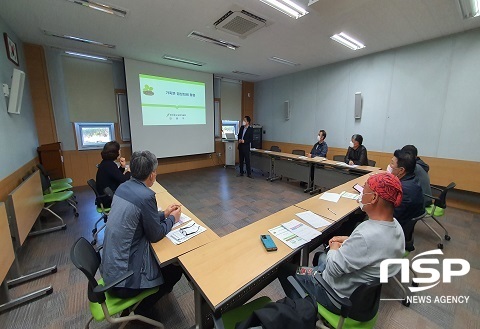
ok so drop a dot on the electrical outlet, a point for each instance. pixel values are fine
(210, 156)
(219, 154)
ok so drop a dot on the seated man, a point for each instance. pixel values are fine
(402, 165)
(320, 148)
(421, 174)
(133, 223)
(356, 153)
(355, 259)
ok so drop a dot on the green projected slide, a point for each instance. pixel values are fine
(172, 102)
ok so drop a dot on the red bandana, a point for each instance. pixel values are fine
(387, 186)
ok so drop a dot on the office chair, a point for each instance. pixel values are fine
(50, 188)
(409, 247)
(102, 304)
(50, 198)
(100, 209)
(229, 319)
(299, 152)
(44, 172)
(372, 163)
(339, 158)
(275, 148)
(437, 209)
(358, 311)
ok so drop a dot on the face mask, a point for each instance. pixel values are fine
(318, 138)
(390, 169)
(359, 200)
(351, 144)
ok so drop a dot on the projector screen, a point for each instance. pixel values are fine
(171, 109)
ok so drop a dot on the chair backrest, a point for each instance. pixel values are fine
(372, 163)
(442, 199)
(365, 301)
(46, 183)
(42, 169)
(275, 148)
(298, 152)
(93, 186)
(87, 259)
(408, 229)
(340, 158)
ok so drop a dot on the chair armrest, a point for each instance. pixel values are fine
(108, 192)
(431, 196)
(436, 188)
(297, 287)
(345, 303)
(102, 289)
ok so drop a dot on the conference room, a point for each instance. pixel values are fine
(177, 78)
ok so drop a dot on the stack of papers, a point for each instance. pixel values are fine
(348, 195)
(313, 219)
(183, 219)
(343, 164)
(302, 157)
(294, 234)
(332, 197)
(185, 233)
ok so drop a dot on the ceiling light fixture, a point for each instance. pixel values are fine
(246, 73)
(73, 53)
(287, 7)
(283, 61)
(469, 8)
(183, 60)
(199, 36)
(347, 41)
(74, 38)
(101, 7)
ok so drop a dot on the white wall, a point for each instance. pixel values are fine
(18, 134)
(424, 94)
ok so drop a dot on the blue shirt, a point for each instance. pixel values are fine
(319, 150)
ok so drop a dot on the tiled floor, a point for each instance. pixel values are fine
(226, 203)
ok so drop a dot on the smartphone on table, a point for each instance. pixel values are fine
(268, 242)
(358, 188)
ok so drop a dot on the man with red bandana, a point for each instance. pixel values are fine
(355, 259)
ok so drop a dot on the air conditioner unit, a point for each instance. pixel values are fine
(16, 92)
(240, 22)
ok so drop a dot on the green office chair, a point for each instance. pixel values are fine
(409, 247)
(102, 304)
(55, 182)
(50, 199)
(50, 188)
(229, 319)
(100, 209)
(437, 209)
(360, 311)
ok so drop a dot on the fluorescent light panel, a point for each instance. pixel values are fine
(347, 41)
(283, 61)
(183, 60)
(469, 8)
(199, 36)
(74, 38)
(246, 73)
(101, 7)
(73, 53)
(287, 7)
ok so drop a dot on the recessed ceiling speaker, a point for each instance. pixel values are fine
(358, 105)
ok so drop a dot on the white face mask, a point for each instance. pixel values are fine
(359, 200)
(351, 144)
(318, 138)
(390, 169)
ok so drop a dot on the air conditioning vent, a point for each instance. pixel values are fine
(240, 23)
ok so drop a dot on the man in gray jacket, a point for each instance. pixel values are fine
(133, 223)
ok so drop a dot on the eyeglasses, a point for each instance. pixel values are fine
(183, 230)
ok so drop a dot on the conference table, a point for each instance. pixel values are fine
(165, 250)
(326, 173)
(240, 265)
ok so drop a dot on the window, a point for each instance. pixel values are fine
(91, 136)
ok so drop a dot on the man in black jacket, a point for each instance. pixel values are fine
(245, 137)
(402, 165)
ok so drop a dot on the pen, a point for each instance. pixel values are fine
(331, 211)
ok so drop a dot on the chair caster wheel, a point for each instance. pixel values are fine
(76, 214)
(94, 231)
(447, 237)
(414, 284)
(440, 246)
(94, 242)
(406, 303)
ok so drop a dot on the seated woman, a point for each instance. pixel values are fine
(108, 173)
(356, 153)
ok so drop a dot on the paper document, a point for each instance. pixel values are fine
(304, 231)
(267, 151)
(343, 164)
(348, 195)
(313, 219)
(302, 157)
(183, 219)
(287, 237)
(252, 148)
(332, 197)
(185, 233)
